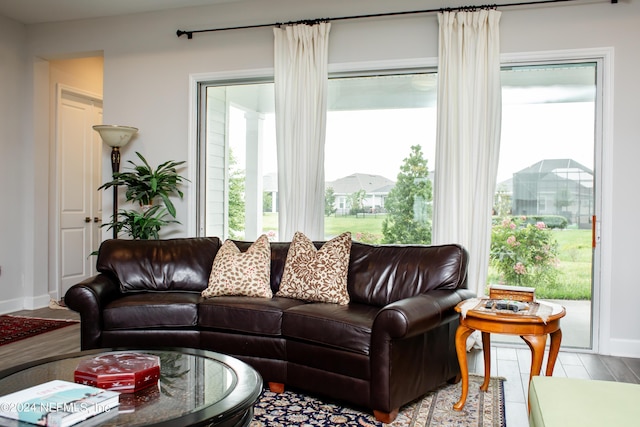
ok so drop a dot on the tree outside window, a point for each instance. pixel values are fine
(408, 204)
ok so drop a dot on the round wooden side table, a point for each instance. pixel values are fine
(532, 326)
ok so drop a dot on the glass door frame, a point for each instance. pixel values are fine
(601, 258)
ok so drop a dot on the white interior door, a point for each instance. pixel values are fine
(79, 150)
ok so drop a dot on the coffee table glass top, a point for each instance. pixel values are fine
(195, 386)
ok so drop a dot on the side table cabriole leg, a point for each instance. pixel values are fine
(462, 333)
(554, 348)
(486, 352)
(536, 343)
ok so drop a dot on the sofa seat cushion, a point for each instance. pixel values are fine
(346, 327)
(245, 315)
(152, 310)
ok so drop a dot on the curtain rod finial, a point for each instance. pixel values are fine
(189, 34)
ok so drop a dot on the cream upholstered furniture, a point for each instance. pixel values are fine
(569, 402)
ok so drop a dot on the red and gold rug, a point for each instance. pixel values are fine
(15, 328)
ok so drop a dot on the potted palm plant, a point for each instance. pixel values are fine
(147, 187)
(145, 224)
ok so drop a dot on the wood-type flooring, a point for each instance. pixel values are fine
(510, 361)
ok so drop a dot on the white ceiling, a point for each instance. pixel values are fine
(39, 11)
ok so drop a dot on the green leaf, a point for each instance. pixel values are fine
(146, 186)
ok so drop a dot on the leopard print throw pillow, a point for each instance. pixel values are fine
(241, 273)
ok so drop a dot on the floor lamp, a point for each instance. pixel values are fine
(115, 137)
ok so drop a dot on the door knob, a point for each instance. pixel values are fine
(87, 219)
(96, 219)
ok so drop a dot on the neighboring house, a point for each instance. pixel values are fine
(376, 188)
(553, 187)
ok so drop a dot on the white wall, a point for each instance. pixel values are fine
(12, 128)
(146, 84)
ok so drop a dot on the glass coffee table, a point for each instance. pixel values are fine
(196, 388)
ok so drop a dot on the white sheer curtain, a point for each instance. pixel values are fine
(468, 135)
(301, 81)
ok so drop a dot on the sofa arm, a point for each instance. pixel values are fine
(413, 347)
(89, 298)
(418, 314)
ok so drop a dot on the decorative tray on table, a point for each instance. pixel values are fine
(123, 372)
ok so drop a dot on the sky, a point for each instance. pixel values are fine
(541, 119)
(369, 142)
(377, 141)
(534, 132)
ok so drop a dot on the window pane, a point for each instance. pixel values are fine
(240, 162)
(379, 157)
(544, 201)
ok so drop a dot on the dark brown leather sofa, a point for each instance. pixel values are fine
(392, 343)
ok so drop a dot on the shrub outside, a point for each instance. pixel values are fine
(524, 254)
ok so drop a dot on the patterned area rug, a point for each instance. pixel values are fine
(15, 328)
(432, 410)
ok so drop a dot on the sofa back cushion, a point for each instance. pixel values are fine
(159, 265)
(380, 275)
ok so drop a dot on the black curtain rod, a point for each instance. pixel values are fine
(190, 33)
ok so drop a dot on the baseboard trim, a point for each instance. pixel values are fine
(624, 348)
(37, 302)
(9, 306)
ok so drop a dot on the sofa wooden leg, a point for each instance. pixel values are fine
(386, 417)
(276, 387)
(455, 380)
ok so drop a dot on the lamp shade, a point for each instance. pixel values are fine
(114, 135)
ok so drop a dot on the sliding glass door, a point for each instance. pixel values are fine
(545, 200)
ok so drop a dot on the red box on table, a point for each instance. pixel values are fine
(123, 372)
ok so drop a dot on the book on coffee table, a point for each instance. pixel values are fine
(57, 403)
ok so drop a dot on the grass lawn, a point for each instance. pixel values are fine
(575, 254)
(574, 249)
(334, 225)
